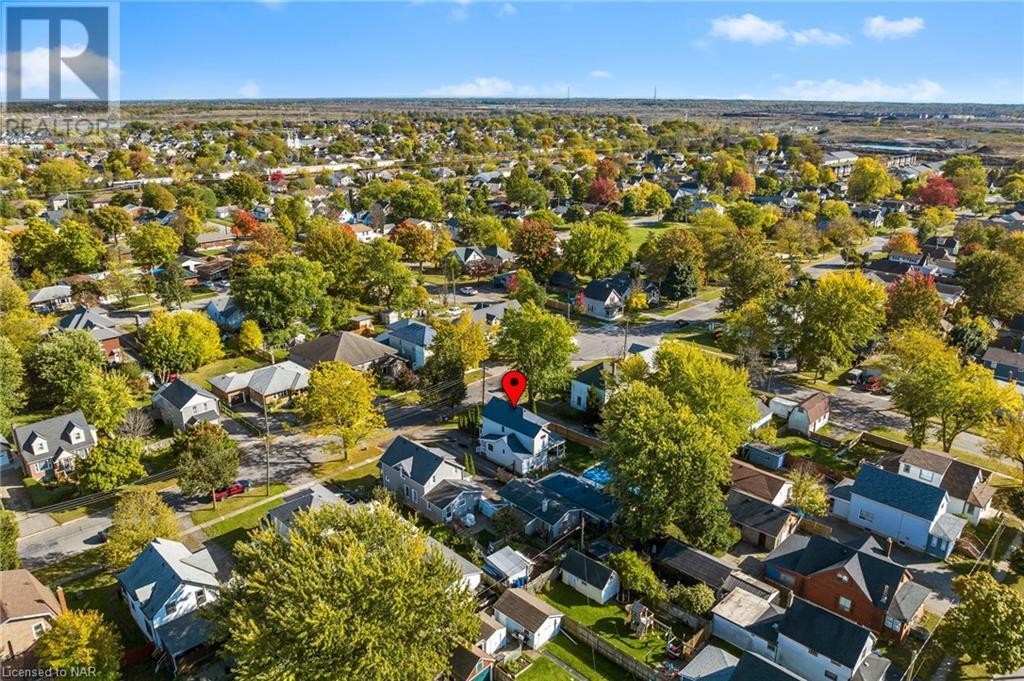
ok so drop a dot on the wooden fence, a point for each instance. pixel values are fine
(537, 584)
(823, 439)
(884, 442)
(633, 666)
(576, 436)
(674, 612)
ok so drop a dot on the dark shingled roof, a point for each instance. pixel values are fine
(693, 564)
(340, 346)
(525, 608)
(899, 492)
(586, 568)
(418, 461)
(179, 391)
(755, 668)
(824, 632)
(465, 660)
(756, 482)
(930, 461)
(517, 419)
(757, 514)
(582, 494)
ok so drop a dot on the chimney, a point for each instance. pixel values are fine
(60, 599)
(544, 505)
(888, 547)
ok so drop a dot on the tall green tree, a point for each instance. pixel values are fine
(81, 639)
(870, 180)
(9, 541)
(110, 464)
(287, 289)
(636, 574)
(139, 517)
(993, 283)
(208, 459)
(752, 270)
(526, 288)
(809, 494)
(153, 244)
(534, 242)
(113, 221)
(339, 403)
(539, 344)
(969, 178)
(336, 248)
(170, 286)
(12, 374)
(179, 342)
(104, 397)
(595, 251)
(919, 367)
(673, 247)
(987, 625)
(60, 363)
(383, 603)
(384, 276)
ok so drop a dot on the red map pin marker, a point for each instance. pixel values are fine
(514, 385)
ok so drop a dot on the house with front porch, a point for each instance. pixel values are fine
(429, 480)
(516, 438)
(51, 448)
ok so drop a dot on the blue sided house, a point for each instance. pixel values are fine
(911, 512)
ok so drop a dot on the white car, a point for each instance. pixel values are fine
(468, 291)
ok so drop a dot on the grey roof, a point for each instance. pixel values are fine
(518, 419)
(530, 497)
(710, 664)
(184, 633)
(496, 251)
(92, 320)
(842, 490)
(309, 499)
(694, 564)
(824, 632)
(508, 561)
(594, 375)
(757, 514)
(466, 568)
(48, 293)
(447, 491)
(582, 494)
(340, 346)
(922, 458)
(1005, 357)
(586, 569)
(489, 313)
(908, 602)
(179, 392)
(878, 577)
(949, 526)
(418, 461)
(899, 492)
(276, 378)
(54, 431)
(161, 568)
(753, 667)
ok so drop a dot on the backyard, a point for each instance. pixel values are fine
(826, 456)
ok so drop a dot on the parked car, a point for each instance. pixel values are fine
(682, 323)
(468, 291)
(238, 487)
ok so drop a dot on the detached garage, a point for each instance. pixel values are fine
(594, 580)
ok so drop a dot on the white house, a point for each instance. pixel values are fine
(164, 587)
(182, 404)
(970, 493)
(593, 579)
(469, 574)
(527, 617)
(815, 643)
(493, 634)
(516, 438)
(595, 377)
(805, 417)
(746, 621)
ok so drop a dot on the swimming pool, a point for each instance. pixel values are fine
(598, 474)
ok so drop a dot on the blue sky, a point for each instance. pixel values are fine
(946, 52)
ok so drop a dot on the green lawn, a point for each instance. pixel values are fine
(363, 475)
(202, 375)
(586, 661)
(610, 622)
(544, 669)
(229, 532)
(40, 494)
(638, 235)
(805, 449)
(253, 496)
(579, 458)
(54, 572)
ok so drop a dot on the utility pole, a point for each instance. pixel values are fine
(483, 386)
(266, 443)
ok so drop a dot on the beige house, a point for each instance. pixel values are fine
(27, 609)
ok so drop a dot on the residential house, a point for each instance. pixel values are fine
(1007, 365)
(805, 417)
(950, 243)
(27, 611)
(182, 404)
(710, 664)
(491, 314)
(859, 582)
(214, 235)
(52, 447)
(264, 386)
(763, 485)
(682, 563)
(593, 378)
(470, 664)
(470, 575)
(102, 328)
(912, 512)
(498, 258)
(814, 643)
(164, 588)
(516, 438)
(969, 489)
(411, 339)
(606, 298)
(359, 352)
(225, 312)
(748, 622)
(761, 523)
(593, 579)
(214, 269)
(429, 480)
(468, 257)
(261, 212)
(50, 298)
(527, 617)
(305, 500)
(753, 667)
(493, 634)
(508, 566)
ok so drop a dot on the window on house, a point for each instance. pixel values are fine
(171, 608)
(44, 465)
(842, 577)
(893, 623)
(831, 676)
(906, 468)
(927, 476)
(38, 629)
(866, 515)
(845, 604)
(200, 598)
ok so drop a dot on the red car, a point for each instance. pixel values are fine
(230, 491)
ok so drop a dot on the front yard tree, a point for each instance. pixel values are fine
(416, 242)
(838, 315)
(919, 367)
(207, 460)
(250, 337)
(681, 282)
(178, 342)
(170, 285)
(385, 277)
(525, 287)
(749, 330)
(675, 247)
(339, 403)
(808, 493)
(975, 398)
(112, 463)
(9, 541)
(752, 270)
(336, 248)
(61, 362)
(988, 624)
(79, 640)
(637, 575)
(914, 301)
(539, 344)
(595, 251)
(870, 180)
(282, 291)
(993, 283)
(113, 221)
(1006, 439)
(140, 516)
(153, 244)
(968, 177)
(357, 593)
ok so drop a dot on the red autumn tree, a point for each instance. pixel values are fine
(938, 191)
(245, 224)
(607, 169)
(914, 300)
(603, 191)
(743, 182)
(534, 243)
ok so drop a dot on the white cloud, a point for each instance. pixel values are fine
(867, 90)
(881, 28)
(600, 74)
(752, 29)
(483, 87)
(249, 89)
(748, 28)
(460, 10)
(33, 81)
(507, 10)
(816, 36)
